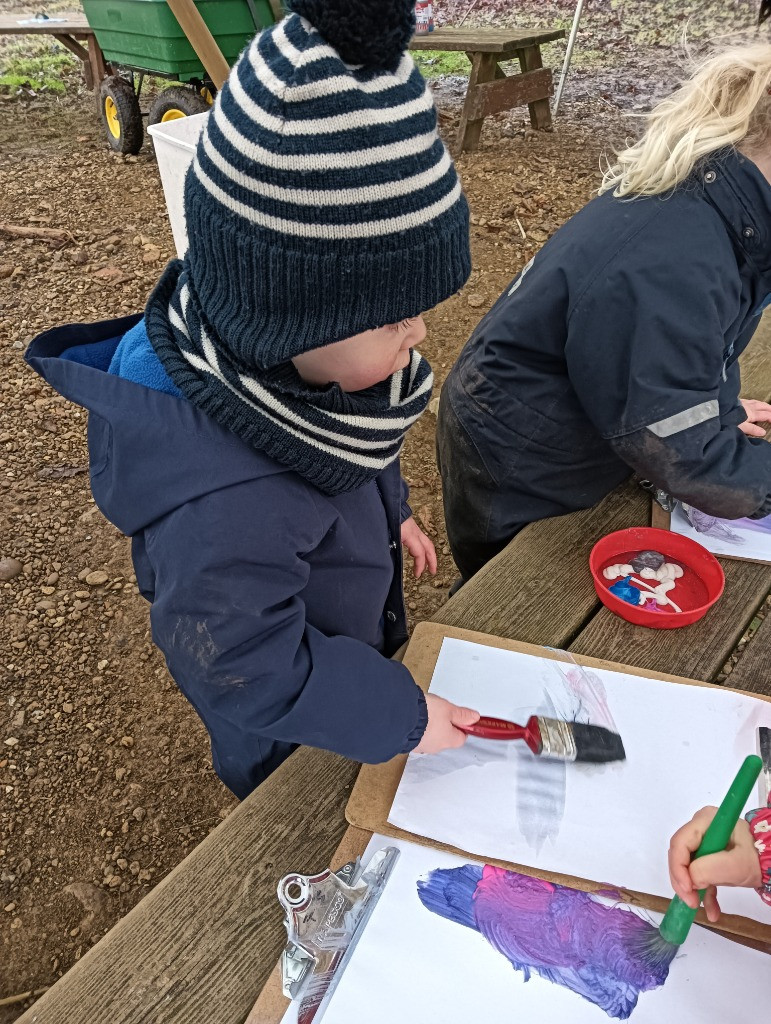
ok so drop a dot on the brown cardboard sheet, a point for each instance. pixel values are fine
(373, 794)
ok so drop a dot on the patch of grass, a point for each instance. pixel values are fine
(51, 70)
(433, 63)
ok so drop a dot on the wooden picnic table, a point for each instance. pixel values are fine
(490, 90)
(71, 30)
(200, 946)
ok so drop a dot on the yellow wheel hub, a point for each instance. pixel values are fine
(206, 94)
(111, 116)
(173, 115)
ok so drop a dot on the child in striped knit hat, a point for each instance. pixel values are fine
(246, 431)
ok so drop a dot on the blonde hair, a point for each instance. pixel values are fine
(726, 102)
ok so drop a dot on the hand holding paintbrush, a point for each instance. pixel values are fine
(737, 865)
(745, 858)
(717, 836)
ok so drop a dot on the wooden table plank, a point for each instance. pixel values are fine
(513, 91)
(69, 24)
(200, 946)
(753, 670)
(539, 589)
(483, 40)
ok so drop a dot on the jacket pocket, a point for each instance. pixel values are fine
(99, 444)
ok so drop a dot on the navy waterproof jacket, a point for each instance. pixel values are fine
(616, 348)
(273, 604)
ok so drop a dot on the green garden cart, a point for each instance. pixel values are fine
(143, 37)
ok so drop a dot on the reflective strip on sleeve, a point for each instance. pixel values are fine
(687, 418)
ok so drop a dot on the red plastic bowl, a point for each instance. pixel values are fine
(697, 589)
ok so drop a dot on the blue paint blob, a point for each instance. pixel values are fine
(603, 953)
(624, 589)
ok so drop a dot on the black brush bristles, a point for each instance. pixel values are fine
(596, 745)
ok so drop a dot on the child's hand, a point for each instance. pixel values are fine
(419, 546)
(757, 412)
(441, 732)
(737, 865)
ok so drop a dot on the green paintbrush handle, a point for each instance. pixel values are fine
(679, 916)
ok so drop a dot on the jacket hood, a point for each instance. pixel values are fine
(149, 452)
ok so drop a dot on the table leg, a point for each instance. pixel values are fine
(98, 66)
(540, 111)
(483, 69)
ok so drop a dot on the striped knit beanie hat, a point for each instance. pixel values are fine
(321, 201)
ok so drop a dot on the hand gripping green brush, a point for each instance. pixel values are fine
(679, 917)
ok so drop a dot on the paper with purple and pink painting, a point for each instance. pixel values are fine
(606, 823)
(455, 941)
(749, 539)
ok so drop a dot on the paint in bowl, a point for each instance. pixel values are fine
(695, 591)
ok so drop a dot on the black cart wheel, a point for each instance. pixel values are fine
(121, 116)
(176, 101)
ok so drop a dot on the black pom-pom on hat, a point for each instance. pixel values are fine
(374, 33)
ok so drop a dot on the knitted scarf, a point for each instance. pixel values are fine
(336, 440)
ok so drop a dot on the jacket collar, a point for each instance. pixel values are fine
(736, 188)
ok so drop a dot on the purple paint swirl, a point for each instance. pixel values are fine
(605, 954)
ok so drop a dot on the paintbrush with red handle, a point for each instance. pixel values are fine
(548, 737)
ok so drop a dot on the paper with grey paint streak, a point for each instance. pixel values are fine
(607, 823)
(412, 965)
(749, 539)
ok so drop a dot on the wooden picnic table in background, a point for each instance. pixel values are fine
(71, 30)
(490, 90)
(200, 946)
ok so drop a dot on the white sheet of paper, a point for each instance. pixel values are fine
(607, 823)
(412, 965)
(740, 538)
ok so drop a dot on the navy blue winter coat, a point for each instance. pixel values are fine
(273, 604)
(615, 350)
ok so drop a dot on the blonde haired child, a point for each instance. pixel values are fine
(616, 348)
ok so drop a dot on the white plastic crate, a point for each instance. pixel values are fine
(175, 143)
